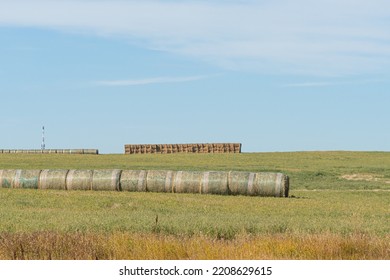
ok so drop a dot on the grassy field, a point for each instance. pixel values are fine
(339, 208)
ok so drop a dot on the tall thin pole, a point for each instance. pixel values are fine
(43, 138)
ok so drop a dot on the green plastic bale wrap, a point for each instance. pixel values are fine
(215, 182)
(159, 181)
(106, 180)
(79, 180)
(53, 179)
(6, 178)
(133, 180)
(26, 179)
(188, 182)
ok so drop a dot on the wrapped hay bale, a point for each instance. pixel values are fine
(7, 178)
(210, 182)
(188, 182)
(271, 184)
(214, 182)
(240, 183)
(79, 180)
(53, 179)
(133, 180)
(26, 179)
(159, 181)
(106, 180)
(258, 184)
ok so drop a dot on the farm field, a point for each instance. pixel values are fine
(339, 208)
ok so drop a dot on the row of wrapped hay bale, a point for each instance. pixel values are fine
(51, 151)
(183, 148)
(202, 182)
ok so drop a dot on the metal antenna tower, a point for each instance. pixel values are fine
(43, 138)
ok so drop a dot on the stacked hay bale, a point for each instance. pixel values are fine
(168, 181)
(183, 148)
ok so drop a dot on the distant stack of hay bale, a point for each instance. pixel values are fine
(51, 151)
(165, 181)
(202, 148)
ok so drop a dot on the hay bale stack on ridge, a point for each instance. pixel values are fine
(183, 148)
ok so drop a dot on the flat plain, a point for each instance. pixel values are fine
(338, 208)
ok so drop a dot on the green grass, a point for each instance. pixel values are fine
(353, 213)
(307, 170)
(341, 212)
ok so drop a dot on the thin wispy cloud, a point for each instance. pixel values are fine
(148, 81)
(332, 83)
(310, 84)
(323, 37)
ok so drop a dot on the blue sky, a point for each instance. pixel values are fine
(272, 75)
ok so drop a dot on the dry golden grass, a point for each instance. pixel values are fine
(134, 246)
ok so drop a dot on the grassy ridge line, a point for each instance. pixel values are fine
(307, 170)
